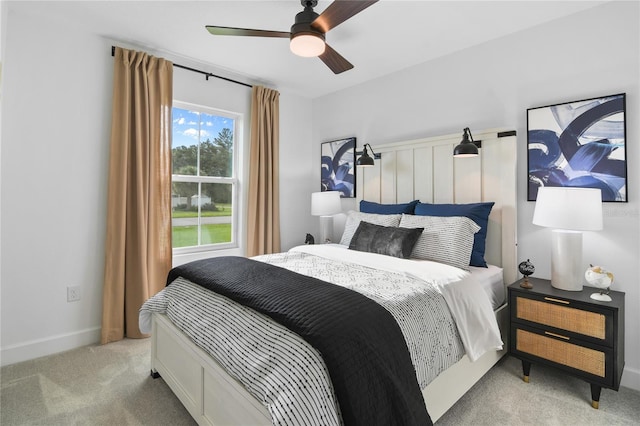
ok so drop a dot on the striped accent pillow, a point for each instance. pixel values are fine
(444, 239)
(354, 218)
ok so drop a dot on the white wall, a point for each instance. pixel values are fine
(55, 147)
(3, 33)
(56, 111)
(591, 54)
(296, 180)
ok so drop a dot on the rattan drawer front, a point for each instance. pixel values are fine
(564, 353)
(571, 319)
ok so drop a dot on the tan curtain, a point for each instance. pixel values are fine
(138, 246)
(263, 227)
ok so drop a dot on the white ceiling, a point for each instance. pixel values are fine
(389, 36)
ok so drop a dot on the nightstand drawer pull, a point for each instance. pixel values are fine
(551, 299)
(556, 335)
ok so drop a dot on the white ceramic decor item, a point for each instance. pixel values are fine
(598, 277)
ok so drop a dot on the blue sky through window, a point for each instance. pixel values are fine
(189, 127)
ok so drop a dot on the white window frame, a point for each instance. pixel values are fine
(233, 180)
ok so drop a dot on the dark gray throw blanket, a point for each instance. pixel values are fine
(360, 341)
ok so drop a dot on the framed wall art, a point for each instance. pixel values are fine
(579, 144)
(338, 159)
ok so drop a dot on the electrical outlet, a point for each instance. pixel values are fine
(73, 293)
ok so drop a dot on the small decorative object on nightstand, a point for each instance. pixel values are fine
(526, 268)
(570, 331)
(309, 239)
(598, 277)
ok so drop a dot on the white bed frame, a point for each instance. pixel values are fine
(406, 171)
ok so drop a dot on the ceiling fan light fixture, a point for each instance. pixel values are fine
(307, 45)
(307, 34)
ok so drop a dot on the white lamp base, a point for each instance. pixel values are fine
(326, 229)
(601, 297)
(566, 260)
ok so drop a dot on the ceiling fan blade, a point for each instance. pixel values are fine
(334, 60)
(338, 12)
(230, 31)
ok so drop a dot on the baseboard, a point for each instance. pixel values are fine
(48, 346)
(630, 378)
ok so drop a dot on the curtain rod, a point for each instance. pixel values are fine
(206, 74)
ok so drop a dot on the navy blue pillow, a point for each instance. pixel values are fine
(478, 212)
(377, 208)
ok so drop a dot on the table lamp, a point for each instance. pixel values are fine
(569, 211)
(325, 204)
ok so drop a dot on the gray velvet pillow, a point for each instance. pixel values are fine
(388, 240)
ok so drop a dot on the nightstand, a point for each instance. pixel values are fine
(570, 331)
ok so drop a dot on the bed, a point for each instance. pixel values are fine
(214, 396)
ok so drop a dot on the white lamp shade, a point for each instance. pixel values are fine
(574, 209)
(325, 203)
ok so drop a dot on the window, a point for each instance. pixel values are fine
(204, 182)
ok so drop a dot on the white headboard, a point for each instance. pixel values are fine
(425, 169)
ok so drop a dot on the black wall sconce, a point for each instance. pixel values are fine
(365, 160)
(467, 147)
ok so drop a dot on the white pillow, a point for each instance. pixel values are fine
(354, 218)
(447, 239)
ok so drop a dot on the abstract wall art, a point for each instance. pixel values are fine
(337, 167)
(579, 144)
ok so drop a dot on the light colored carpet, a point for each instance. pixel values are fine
(110, 385)
(93, 385)
(551, 397)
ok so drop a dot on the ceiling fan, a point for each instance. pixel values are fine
(307, 34)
